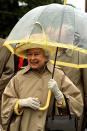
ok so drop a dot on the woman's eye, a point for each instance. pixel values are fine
(36, 54)
(29, 54)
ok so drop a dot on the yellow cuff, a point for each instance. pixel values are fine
(63, 103)
(17, 110)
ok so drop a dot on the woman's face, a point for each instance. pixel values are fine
(36, 58)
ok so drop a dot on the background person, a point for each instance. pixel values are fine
(77, 76)
(6, 68)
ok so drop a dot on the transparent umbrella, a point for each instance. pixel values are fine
(51, 27)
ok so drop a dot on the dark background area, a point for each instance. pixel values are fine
(12, 10)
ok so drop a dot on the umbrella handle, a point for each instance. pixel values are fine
(49, 92)
(47, 102)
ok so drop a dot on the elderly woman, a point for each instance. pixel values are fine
(28, 90)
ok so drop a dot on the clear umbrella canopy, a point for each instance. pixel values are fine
(48, 27)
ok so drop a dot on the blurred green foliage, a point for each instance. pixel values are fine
(12, 10)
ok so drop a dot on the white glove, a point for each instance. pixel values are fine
(31, 102)
(52, 85)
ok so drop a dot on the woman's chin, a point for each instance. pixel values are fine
(34, 67)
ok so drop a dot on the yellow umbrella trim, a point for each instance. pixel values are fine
(44, 44)
(70, 64)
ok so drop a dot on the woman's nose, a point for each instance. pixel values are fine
(33, 57)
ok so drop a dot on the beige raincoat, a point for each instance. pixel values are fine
(31, 84)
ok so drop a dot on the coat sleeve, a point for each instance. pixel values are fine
(4, 56)
(9, 98)
(73, 95)
(84, 79)
(7, 72)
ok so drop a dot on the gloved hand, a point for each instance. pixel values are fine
(52, 85)
(31, 102)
